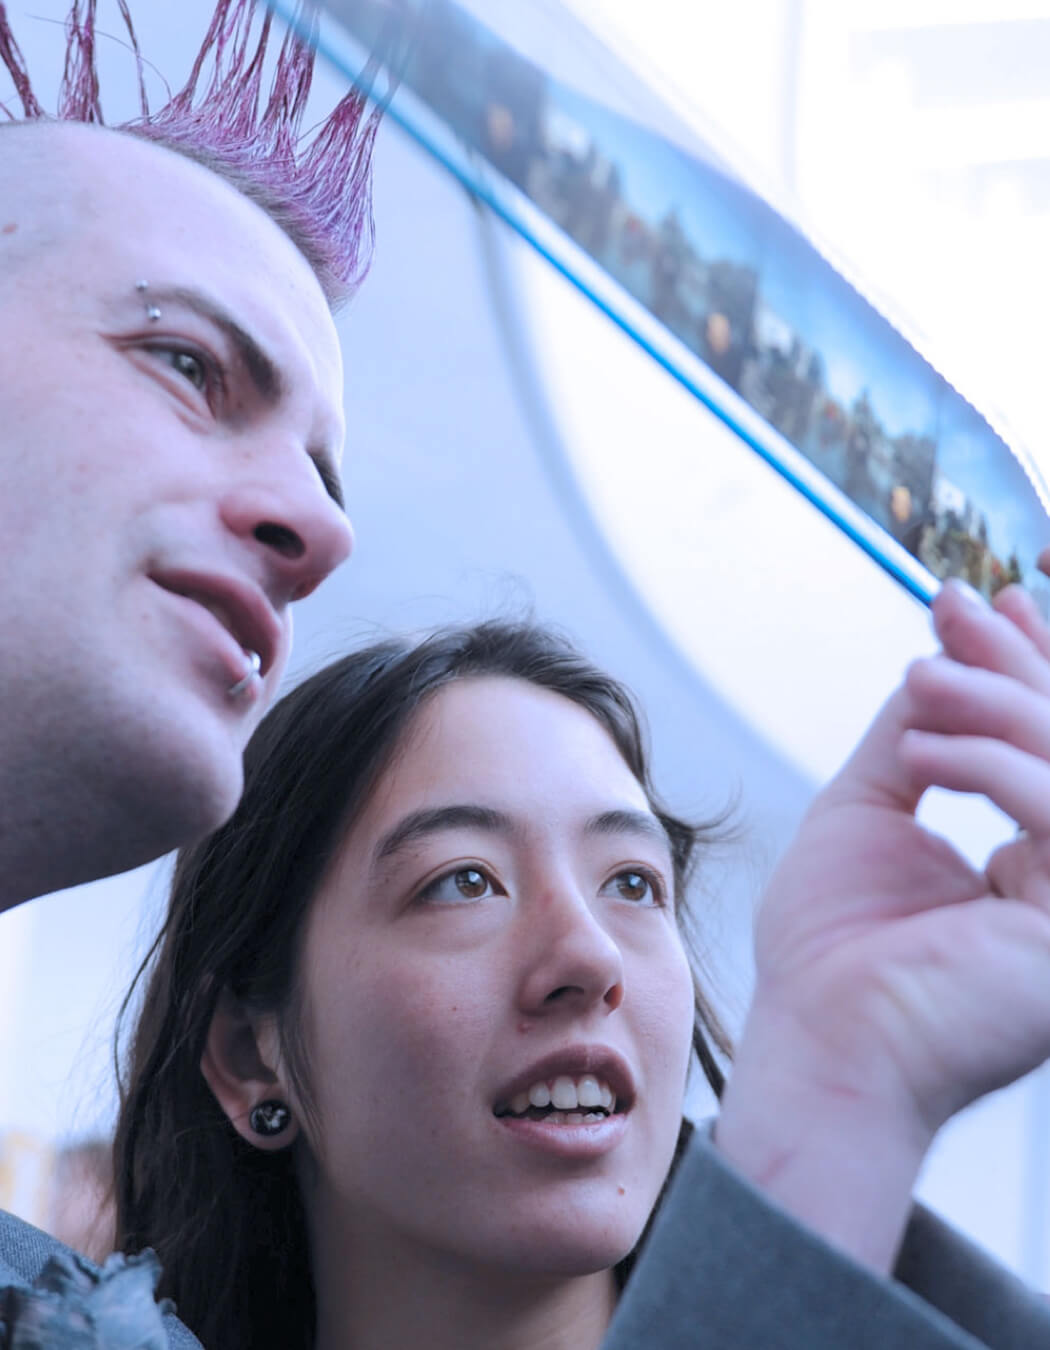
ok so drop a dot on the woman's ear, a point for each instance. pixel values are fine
(241, 1064)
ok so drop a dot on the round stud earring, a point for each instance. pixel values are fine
(270, 1118)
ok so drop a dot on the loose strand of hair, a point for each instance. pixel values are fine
(12, 58)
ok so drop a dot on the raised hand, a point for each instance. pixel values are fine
(894, 982)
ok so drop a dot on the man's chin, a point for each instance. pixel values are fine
(184, 786)
(205, 804)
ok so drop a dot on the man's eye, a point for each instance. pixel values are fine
(639, 887)
(465, 883)
(191, 367)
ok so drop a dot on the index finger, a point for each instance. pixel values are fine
(1024, 613)
(974, 633)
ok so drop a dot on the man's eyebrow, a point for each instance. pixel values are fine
(262, 369)
(640, 823)
(419, 824)
(260, 366)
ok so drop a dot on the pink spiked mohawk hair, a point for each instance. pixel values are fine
(317, 191)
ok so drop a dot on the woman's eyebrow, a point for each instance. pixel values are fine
(431, 820)
(629, 822)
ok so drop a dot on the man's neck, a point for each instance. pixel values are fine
(68, 815)
(53, 837)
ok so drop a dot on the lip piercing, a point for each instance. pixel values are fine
(152, 311)
(254, 666)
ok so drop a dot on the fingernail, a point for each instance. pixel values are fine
(966, 592)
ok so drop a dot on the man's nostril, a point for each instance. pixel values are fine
(281, 539)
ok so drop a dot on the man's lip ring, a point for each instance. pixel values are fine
(254, 666)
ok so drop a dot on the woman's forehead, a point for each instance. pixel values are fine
(504, 743)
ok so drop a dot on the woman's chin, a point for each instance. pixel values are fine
(571, 1249)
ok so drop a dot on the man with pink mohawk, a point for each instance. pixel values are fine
(169, 455)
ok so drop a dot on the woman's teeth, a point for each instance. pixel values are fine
(563, 1098)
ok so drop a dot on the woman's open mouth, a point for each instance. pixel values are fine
(565, 1100)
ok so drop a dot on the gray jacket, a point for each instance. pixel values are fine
(24, 1251)
(723, 1269)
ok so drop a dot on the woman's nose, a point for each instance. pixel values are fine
(573, 964)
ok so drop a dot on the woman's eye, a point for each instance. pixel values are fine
(466, 883)
(638, 887)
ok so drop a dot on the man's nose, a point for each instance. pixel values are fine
(302, 533)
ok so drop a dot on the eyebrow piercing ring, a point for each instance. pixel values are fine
(152, 311)
(254, 666)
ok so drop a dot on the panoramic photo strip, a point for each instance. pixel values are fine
(742, 288)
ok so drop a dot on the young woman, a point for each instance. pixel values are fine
(417, 1036)
(411, 1062)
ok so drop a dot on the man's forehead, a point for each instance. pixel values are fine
(105, 186)
(57, 161)
(35, 213)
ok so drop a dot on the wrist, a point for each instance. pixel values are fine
(823, 1138)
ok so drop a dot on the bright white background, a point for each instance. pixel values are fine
(507, 446)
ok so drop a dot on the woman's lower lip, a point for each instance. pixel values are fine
(566, 1141)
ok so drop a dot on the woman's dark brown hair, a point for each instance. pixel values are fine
(226, 1219)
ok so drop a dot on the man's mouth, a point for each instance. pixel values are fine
(241, 610)
(220, 612)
